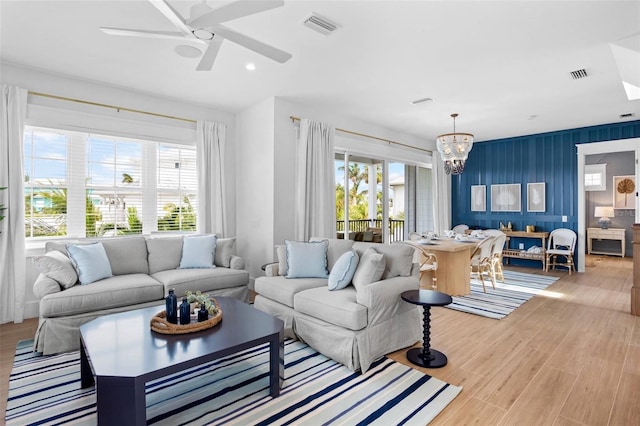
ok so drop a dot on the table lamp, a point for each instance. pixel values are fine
(604, 213)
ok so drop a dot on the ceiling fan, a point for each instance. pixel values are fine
(204, 27)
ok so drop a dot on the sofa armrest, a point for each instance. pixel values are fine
(271, 270)
(45, 285)
(382, 298)
(236, 262)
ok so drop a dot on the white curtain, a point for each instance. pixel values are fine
(315, 183)
(212, 197)
(13, 111)
(442, 191)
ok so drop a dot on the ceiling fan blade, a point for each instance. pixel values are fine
(232, 11)
(253, 44)
(142, 33)
(172, 15)
(209, 57)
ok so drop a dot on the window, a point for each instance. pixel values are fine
(595, 177)
(79, 184)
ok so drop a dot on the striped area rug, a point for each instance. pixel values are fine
(234, 391)
(518, 287)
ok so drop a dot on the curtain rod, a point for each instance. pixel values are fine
(117, 108)
(351, 132)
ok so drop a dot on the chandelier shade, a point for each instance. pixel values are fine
(454, 149)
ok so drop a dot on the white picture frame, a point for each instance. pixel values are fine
(478, 198)
(624, 192)
(536, 199)
(506, 198)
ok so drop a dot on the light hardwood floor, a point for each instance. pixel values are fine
(571, 357)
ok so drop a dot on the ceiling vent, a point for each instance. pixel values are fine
(577, 74)
(320, 24)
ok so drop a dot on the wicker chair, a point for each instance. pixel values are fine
(481, 261)
(562, 242)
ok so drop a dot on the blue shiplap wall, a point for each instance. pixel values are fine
(547, 157)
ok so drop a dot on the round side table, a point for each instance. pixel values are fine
(425, 356)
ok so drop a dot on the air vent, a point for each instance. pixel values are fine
(577, 74)
(320, 24)
(627, 115)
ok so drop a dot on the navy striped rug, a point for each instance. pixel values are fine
(234, 391)
(497, 303)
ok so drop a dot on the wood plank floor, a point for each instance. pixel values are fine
(570, 357)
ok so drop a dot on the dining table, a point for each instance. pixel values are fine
(454, 262)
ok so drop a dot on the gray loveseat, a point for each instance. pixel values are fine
(143, 270)
(353, 326)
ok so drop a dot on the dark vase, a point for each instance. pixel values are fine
(185, 312)
(203, 314)
(172, 307)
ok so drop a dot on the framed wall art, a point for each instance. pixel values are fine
(624, 192)
(478, 198)
(506, 198)
(536, 201)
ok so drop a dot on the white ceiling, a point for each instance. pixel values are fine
(497, 64)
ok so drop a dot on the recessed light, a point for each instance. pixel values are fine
(250, 66)
(188, 51)
(419, 101)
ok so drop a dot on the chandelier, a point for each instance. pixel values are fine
(454, 149)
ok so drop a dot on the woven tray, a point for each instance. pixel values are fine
(160, 324)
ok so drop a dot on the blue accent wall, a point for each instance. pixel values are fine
(546, 157)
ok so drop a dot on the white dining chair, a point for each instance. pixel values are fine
(481, 261)
(562, 242)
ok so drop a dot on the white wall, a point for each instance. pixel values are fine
(48, 112)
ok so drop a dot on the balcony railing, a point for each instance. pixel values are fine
(396, 227)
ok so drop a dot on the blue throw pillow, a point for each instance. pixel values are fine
(90, 261)
(198, 251)
(343, 270)
(307, 260)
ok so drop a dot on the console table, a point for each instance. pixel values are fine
(616, 234)
(523, 254)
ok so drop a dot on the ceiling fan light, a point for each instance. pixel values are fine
(187, 51)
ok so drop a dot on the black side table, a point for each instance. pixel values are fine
(425, 356)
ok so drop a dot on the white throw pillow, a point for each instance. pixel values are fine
(343, 271)
(369, 270)
(198, 251)
(58, 267)
(225, 248)
(91, 262)
(307, 260)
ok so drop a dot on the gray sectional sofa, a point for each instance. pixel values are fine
(143, 270)
(357, 324)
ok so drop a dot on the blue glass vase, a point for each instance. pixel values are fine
(185, 311)
(172, 307)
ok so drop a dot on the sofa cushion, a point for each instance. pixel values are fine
(370, 268)
(336, 249)
(201, 279)
(282, 290)
(342, 272)
(58, 267)
(225, 248)
(335, 307)
(114, 292)
(198, 251)
(127, 255)
(90, 261)
(307, 259)
(164, 253)
(398, 257)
